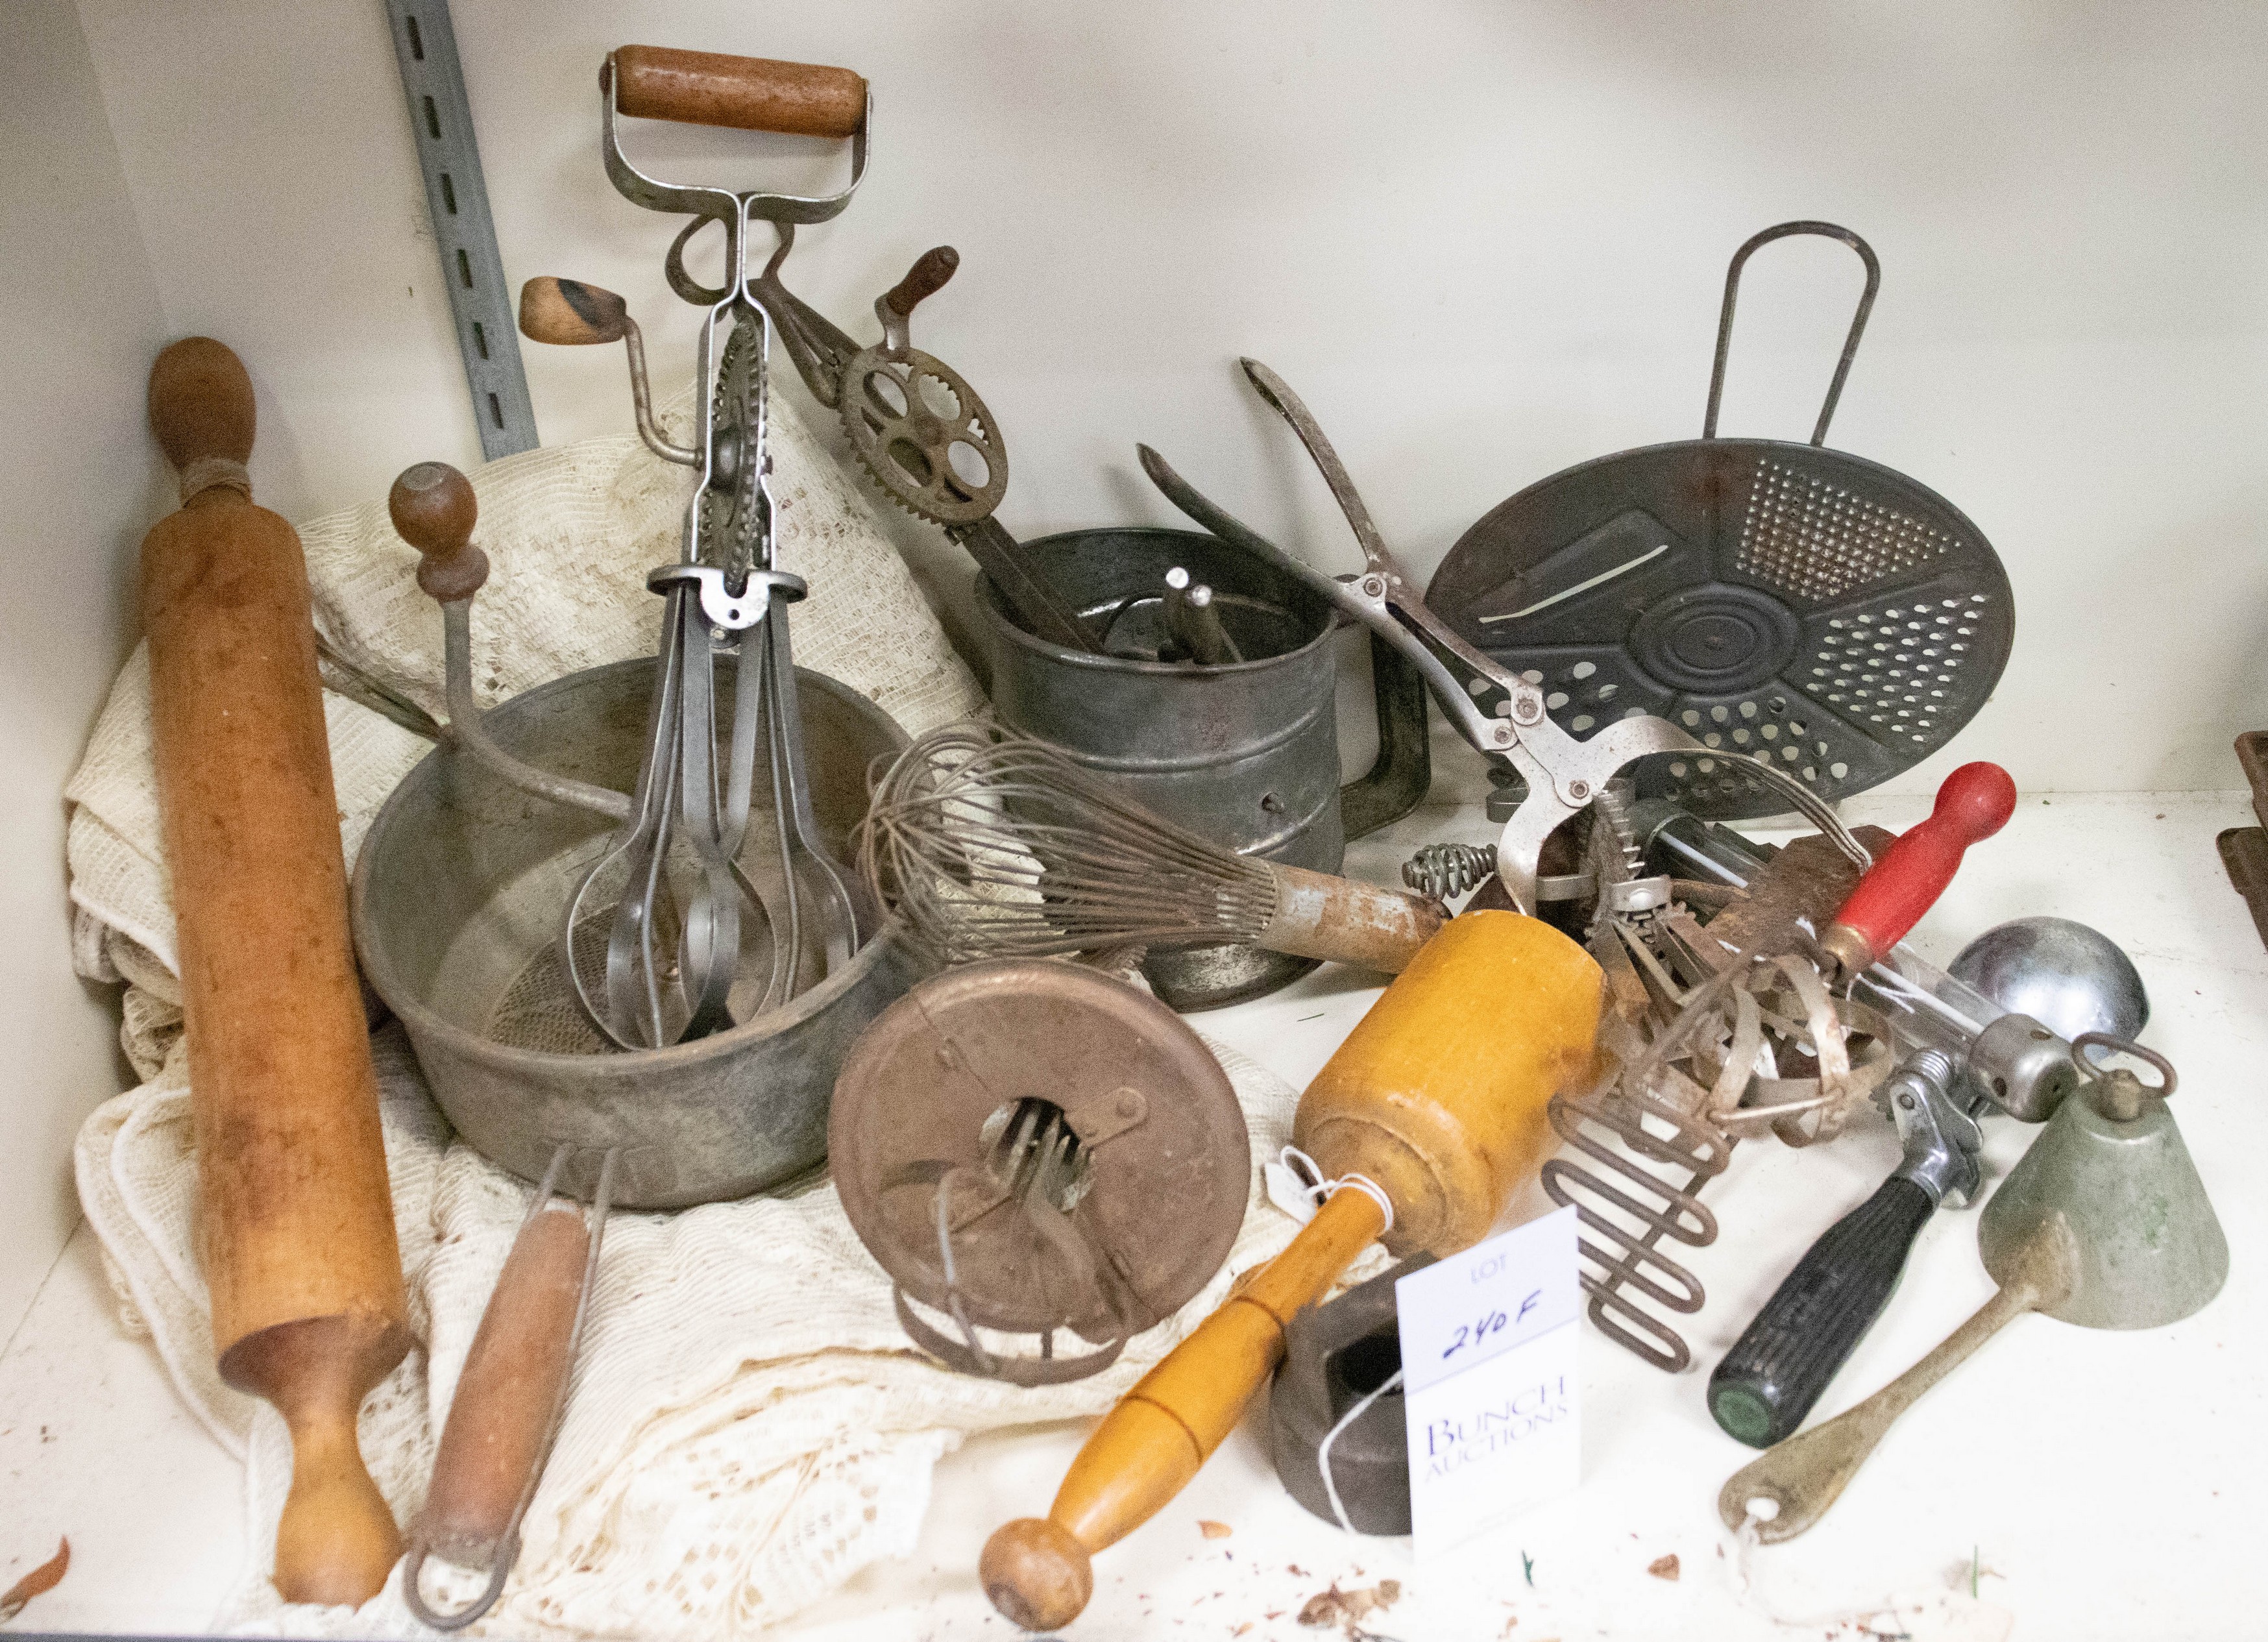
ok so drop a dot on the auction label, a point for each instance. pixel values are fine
(1489, 1381)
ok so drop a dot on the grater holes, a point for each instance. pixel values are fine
(1817, 541)
(1893, 668)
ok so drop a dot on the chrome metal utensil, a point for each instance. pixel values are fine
(2069, 977)
(700, 933)
(2104, 1224)
(1504, 714)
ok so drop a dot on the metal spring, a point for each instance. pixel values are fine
(1443, 870)
(1660, 1210)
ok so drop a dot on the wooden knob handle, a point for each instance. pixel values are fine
(1975, 802)
(337, 1541)
(925, 279)
(745, 94)
(201, 403)
(493, 1439)
(568, 313)
(433, 507)
(1148, 1447)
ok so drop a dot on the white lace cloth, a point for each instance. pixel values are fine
(748, 1424)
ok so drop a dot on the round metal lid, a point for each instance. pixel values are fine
(938, 1089)
(1786, 601)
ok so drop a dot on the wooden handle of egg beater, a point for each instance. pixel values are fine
(745, 93)
(1440, 1097)
(295, 1222)
(1973, 803)
(568, 313)
(1036, 1571)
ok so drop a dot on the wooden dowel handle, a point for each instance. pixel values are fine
(434, 509)
(1973, 803)
(1321, 916)
(494, 1437)
(1037, 1570)
(568, 313)
(745, 94)
(924, 280)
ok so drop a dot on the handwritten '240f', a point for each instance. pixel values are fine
(1474, 1333)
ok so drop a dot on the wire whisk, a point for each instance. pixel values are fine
(993, 845)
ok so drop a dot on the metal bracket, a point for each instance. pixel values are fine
(457, 201)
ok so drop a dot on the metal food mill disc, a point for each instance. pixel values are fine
(1786, 601)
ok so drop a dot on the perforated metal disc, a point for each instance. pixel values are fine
(1795, 602)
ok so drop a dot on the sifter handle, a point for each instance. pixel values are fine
(1975, 802)
(433, 507)
(745, 93)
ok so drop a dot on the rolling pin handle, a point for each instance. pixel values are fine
(201, 410)
(433, 506)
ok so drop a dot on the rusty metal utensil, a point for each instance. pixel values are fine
(511, 1396)
(918, 465)
(1027, 1146)
(1504, 715)
(1787, 601)
(686, 913)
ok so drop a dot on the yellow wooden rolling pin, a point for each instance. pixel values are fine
(1438, 1096)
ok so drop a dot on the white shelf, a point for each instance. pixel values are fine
(2109, 1484)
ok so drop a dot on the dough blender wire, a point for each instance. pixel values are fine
(680, 958)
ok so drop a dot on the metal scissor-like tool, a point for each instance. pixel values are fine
(1499, 712)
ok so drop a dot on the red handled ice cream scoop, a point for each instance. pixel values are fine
(1975, 802)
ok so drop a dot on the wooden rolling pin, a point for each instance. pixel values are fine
(294, 1221)
(1439, 1097)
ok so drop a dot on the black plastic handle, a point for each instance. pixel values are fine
(1815, 1319)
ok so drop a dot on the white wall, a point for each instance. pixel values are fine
(1485, 240)
(78, 482)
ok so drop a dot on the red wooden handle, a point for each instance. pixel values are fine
(1975, 802)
